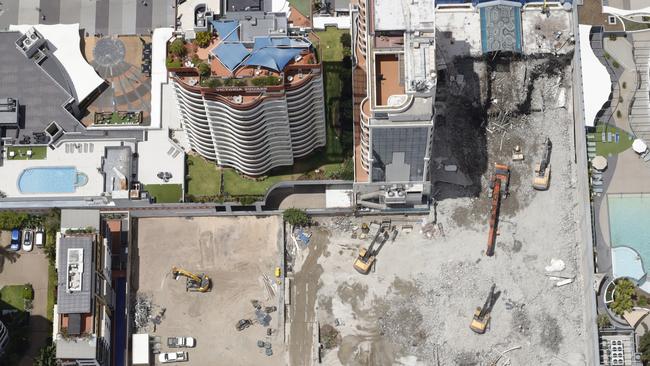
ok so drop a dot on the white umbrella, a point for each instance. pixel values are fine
(639, 146)
(599, 162)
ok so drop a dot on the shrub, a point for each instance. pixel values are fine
(266, 80)
(622, 297)
(624, 85)
(618, 114)
(295, 216)
(613, 37)
(228, 82)
(240, 82)
(11, 220)
(607, 56)
(644, 347)
(203, 39)
(177, 48)
(172, 63)
(616, 64)
(196, 59)
(643, 301)
(28, 292)
(620, 99)
(204, 69)
(603, 321)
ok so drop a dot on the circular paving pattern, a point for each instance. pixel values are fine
(109, 52)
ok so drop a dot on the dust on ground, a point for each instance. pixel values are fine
(236, 253)
(416, 305)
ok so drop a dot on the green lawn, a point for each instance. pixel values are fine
(303, 6)
(330, 44)
(52, 281)
(12, 297)
(204, 177)
(38, 152)
(165, 193)
(612, 148)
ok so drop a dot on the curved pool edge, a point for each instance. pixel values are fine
(22, 174)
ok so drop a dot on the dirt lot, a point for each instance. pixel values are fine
(235, 253)
(415, 309)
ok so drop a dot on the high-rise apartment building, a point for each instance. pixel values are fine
(394, 82)
(253, 98)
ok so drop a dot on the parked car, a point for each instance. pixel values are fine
(15, 240)
(170, 357)
(177, 342)
(39, 239)
(28, 240)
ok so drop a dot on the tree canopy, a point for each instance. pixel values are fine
(295, 216)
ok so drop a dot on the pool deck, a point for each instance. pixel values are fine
(84, 162)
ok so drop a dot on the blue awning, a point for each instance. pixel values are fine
(273, 58)
(227, 30)
(230, 54)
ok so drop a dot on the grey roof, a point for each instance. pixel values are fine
(79, 219)
(109, 17)
(40, 96)
(341, 4)
(116, 157)
(76, 348)
(75, 302)
(259, 24)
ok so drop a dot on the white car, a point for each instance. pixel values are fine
(176, 342)
(28, 240)
(170, 357)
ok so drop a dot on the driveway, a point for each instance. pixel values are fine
(20, 268)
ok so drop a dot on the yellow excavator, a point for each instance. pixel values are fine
(542, 177)
(195, 282)
(482, 314)
(366, 257)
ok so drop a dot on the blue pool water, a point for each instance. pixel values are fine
(51, 180)
(629, 223)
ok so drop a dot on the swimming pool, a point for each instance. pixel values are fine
(51, 180)
(629, 223)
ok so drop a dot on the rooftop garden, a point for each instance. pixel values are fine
(118, 118)
(611, 140)
(27, 152)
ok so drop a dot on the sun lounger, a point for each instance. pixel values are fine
(92, 147)
(596, 182)
(602, 137)
(618, 137)
(598, 190)
(590, 136)
(646, 158)
(609, 137)
(591, 144)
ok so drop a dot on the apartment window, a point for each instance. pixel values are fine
(611, 19)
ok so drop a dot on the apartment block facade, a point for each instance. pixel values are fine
(394, 82)
(262, 104)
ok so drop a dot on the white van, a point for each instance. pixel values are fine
(39, 239)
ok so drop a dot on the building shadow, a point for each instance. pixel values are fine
(7, 255)
(27, 335)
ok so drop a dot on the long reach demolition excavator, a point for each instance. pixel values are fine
(367, 257)
(499, 184)
(542, 176)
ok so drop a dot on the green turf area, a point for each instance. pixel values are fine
(13, 297)
(38, 152)
(52, 281)
(303, 6)
(165, 193)
(331, 47)
(204, 178)
(611, 148)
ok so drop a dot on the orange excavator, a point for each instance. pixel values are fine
(499, 185)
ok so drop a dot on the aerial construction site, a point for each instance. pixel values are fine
(513, 271)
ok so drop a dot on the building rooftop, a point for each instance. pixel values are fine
(117, 168)
(500, 26)
(79, 219)
(114, 17)
(75, 272)
(42, 99)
